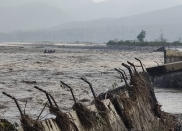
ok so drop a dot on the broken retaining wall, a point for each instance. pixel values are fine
(128, 108)
(167, 75)
(171, 55)
(172, 80)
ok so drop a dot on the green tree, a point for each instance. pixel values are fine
(141, 36)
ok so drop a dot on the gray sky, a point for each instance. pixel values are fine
(147, 5)
(35, 14)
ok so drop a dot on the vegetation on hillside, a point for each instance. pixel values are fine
(141, 41)
(146, 43)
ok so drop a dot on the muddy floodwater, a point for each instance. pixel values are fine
(170, 99)
(23, 66)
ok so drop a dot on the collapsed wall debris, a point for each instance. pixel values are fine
(27, 123)
(132, 107)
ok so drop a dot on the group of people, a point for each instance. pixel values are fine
(49, 51)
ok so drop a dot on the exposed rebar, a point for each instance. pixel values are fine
(124, 73)
(16, 102)
(54, 101)
(120, 72)
(140, 63)
(49, 96)
(90, 85)
(132, 65)
(62, 119)
(128, 67)
(41, 111)
(71, 90)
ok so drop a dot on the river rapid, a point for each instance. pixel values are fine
(24, 65)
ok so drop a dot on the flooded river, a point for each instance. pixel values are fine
(23, 66)
(170, 99)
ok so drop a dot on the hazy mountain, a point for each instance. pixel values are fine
(37, 14)
(30, 17)
(166, 21)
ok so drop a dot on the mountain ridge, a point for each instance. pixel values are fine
(166, 22)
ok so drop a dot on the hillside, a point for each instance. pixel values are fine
(30, 17)
(166, 21)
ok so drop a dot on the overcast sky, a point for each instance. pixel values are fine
(32, 13)
(144, 5)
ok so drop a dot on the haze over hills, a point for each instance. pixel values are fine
(167, 22)
(37, 15)
(30, 17)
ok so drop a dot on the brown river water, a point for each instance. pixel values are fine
(20, 63)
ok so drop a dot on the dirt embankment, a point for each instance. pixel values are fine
(129, 108)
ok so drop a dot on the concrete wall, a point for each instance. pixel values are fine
(172, 56)
(171, 80)
(167, 75)
(132, 109)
